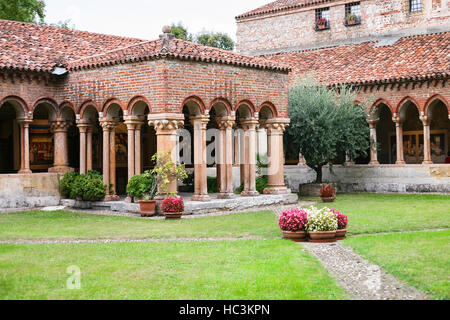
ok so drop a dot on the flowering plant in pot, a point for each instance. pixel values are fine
(328, 193)
(173, 208)
(321, 23)
(322, 224)
(293, 223)
(143, 187)
(342, 224)
(351, 19)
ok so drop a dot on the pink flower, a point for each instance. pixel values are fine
(293, 220)
(173, 205)
(342, 219)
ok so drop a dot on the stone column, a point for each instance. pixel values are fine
(25, 146)
(373, 143)
(249, 126)
(426, 140)
(399, 139)
(130, 122)
(112, 159)
(226, 128)
(107, 126)
(166, 126)
(83, 126)
(348, 161)
(200, 175)
(275, 130)
(138, 148)
(89, 164)
(301, 160)
(61, 156)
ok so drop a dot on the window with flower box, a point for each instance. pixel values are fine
(353, 14)
(322, 19)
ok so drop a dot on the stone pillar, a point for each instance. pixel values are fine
(108, 126)
(83, 126)
(399, 139)
(89, 164)
(130, 122)
(200, 166)
(373, 143)
(226, 144)
(61, 156)
(25, 146)
(138, 149)
(112, 159)
(426, 140)
(301, 160)
(261, 141)
(348, 161)
(249, 126)
(166, 126)
(275, 130)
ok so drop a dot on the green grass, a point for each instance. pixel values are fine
(375, 213)
(421, 259)
(247, 269)
(71, 225)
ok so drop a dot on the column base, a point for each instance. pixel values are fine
(201, 198)
(277, 190)
(349, 164)
(25, 171)
(250, 193)
(427, 162)
(61, 169)
(374, 163)
(400, 163)
(128, 199)
(225, 196)
(112, 198)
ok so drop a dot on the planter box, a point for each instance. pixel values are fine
(298, 236)
(322, 236)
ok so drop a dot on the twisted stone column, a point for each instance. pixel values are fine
(200, 166)
(275, 131)
(249, 127)
(426, 121)
(25, 145)
(225, 147)
(399, 138)
(373, 142)
(166, 126)
(61, 156)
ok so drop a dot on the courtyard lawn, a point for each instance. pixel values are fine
(375, 213)
(71, 225)
(245, 269)
(421, 259)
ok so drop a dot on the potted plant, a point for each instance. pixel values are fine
(166, 171)
(321, 23)
(351, 19)
(327, 193)
(322, 225)
(293, 223)
(143, 187)
(342, 224)
(173, 208)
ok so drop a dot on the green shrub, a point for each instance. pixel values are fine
(67, 182)
(261, 184)
(142, 186)
(212, 185)
(88, 187)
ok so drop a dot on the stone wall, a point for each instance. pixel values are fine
(295, 28)
(29, 190)
(384, 178)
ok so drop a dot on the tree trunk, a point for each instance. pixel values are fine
(318, 171)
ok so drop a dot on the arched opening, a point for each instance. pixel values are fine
(73, 137)
(145, 138)
(385, 147)
(42, 144)
(10, 112)
(413, 139)
(439, 131)
(93, 141)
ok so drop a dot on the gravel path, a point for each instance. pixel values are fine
(362, 279)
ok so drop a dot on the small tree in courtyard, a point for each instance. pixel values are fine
(325, 123)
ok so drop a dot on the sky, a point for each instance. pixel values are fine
(144, 19)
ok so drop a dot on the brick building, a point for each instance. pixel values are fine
(72, 100)
(395, 53)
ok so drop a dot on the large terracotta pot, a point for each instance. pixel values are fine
(298, 236)
(340, 234)
(148, 207)
(322, 236)
(328, 199)
(173, 215)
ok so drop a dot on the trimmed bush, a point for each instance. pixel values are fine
(66, 184)
(142, 186)
(88, 187)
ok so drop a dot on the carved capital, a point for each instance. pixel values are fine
(199, 122)
(249, 124)
(226, 123)
(373, 123)
(108, 124)
(133, 122)
(166, 122)
(425, 120)
(60, 125)
(276, 125)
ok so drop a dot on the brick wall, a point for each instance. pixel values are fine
(295, 28)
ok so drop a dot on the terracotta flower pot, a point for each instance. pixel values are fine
(322, 236)
(340, 234)
(173, 215)
(297, 236)
(351, 22)
(328, 199)
(148, 208)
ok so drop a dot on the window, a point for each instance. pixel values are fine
(353, 14)
(415, 5)
(322, 19)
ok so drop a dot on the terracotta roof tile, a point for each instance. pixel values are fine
(33, 47)
(413, 57)
(281, 5)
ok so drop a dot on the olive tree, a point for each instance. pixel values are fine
(325, 123)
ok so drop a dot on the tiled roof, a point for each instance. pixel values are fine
(39, 48)
(410, 58)
(281, 5)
